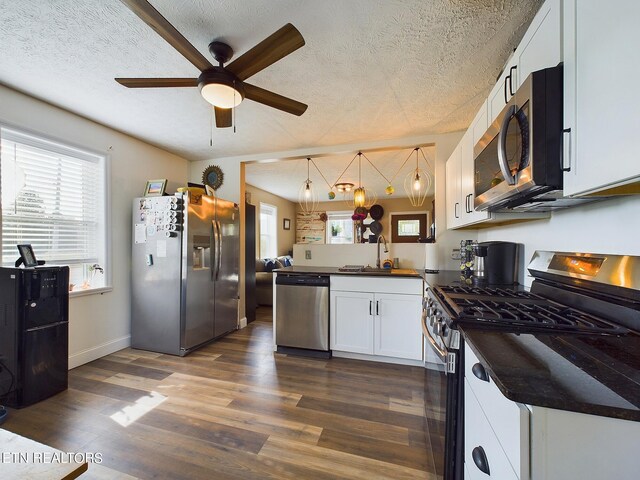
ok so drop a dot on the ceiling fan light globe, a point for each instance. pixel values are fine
(221, 96)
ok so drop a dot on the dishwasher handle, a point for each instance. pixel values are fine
(303, 280)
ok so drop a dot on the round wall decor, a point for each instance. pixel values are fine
(213, 176)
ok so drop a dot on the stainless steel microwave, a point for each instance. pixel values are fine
(517, 161)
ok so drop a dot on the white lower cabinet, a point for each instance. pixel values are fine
(376, 322)
(509, 420)
(353, 332)
(538, 443)
(396, 332)
(484, 457)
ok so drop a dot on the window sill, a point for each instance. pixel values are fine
(90, 291)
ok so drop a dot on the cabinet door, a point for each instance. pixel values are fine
(467, 180)
(504, 87)
(509, 420)
(541, 45)
(397, 330)
(453, 189)
(601, 104)
(352, 322)
(479, 436)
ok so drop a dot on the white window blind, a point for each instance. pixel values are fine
(268, 231)
(53, 198)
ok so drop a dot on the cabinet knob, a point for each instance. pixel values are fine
(480, 372)
(480, 459)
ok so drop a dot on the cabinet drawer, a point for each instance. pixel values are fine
(509, 420)
(362, 283)
(479, 437)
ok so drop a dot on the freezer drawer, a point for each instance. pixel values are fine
(302, 316)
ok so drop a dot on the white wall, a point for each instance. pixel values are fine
(230, 189)
(410, 255)
(100, 324)
(609, 226)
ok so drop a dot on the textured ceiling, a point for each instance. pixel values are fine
(370, 69)
(284, 178)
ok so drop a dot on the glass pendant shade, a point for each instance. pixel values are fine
(307, 196)
(416, 186)
(363, 197)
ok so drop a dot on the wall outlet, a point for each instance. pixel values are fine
(307, 254)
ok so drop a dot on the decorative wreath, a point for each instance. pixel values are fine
(213, 176)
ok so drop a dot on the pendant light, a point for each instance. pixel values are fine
(417, 182)
(307, 196)
(361, 196)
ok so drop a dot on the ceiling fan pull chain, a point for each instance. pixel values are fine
(211, 127)
(234, 109)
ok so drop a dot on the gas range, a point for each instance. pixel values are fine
(582, 311)
(516, 310)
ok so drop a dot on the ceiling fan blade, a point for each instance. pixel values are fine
(276, 46)
(274, 100)
(223, 117)
(152, 17)
(157, 82)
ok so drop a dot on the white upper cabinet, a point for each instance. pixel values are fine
(601, 104)
(467, 169)
(453, 189)
(541, 47)
(503, 90)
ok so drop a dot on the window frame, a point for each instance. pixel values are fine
(341, 213)
(274, 208)
(68, 148)
(394, 217)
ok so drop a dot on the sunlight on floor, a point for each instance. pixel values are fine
(130, 414)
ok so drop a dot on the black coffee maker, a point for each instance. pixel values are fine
(496, 263)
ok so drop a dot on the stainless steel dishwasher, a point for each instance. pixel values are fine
(302, 314)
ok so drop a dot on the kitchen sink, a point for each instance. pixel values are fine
(376, 270)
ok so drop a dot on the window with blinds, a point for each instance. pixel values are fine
(53, 197)
(268, 231)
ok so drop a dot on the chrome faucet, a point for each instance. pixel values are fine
(386, 249)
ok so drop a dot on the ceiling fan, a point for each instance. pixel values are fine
(224, 87)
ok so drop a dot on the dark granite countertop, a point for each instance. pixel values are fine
(394, 273)
(598, 375)
(443, 277)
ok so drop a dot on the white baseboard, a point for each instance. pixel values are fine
(93, 353)
(243, 322)
(378, 358)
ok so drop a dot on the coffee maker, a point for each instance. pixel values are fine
(496, 263)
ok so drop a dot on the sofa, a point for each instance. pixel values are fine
(264, 277)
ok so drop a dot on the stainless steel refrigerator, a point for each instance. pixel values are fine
(185, 270)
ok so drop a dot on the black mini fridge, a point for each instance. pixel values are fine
(34, 333)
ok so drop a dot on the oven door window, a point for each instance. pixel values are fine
(487, 167)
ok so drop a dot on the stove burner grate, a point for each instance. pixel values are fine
(548, 316)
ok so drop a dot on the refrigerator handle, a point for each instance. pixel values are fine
(212, 250)
(219, 250)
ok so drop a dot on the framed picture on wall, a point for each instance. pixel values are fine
(286, 224)
(155, 188)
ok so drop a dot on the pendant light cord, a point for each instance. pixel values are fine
(345, 170)
(376, 168)
(323, 177)
(403, 164)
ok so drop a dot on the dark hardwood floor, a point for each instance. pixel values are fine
(236, 410)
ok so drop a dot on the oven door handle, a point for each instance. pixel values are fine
(425, 330)
(502, 146)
